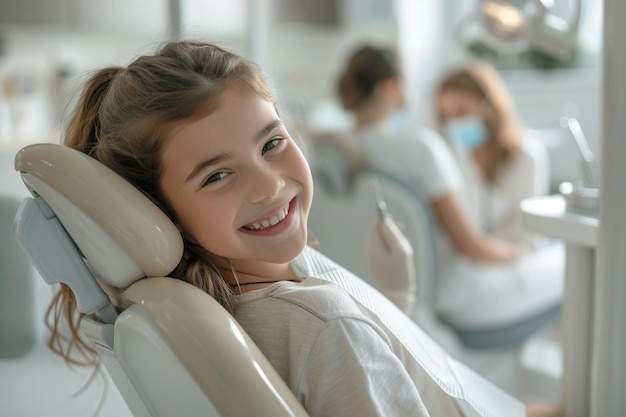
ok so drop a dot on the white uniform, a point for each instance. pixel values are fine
(469, 293)
(495, 209)
(480, 294)
(345, 350)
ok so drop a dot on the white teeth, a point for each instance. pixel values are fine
(272, 221)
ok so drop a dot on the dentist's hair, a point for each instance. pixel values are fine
(367, 67)
(504, 133)
(122, 119)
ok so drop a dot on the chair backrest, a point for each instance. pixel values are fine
(342, 213)
(169, 347)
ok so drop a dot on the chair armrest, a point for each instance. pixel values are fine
(227, 365)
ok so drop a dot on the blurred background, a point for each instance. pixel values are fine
(48, 47)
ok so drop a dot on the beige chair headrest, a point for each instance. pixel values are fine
(107, 217)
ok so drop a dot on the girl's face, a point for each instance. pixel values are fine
(238, 184)
(457, 104)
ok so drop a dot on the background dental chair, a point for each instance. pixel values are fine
(343, 210)
(170, 348)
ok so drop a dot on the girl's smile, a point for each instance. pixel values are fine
(272, 223)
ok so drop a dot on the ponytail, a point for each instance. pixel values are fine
(82, 135)
(82, 131)
(63, 309)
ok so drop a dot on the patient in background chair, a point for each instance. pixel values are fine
(502, 164)
(196, 128)
(482, 281)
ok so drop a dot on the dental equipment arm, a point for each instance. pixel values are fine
(588, 162)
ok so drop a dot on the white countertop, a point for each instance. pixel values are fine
(549, 216)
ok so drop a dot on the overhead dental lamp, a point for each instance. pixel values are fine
(512, 27)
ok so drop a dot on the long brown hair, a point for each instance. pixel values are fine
(121, 120)
(503, 129)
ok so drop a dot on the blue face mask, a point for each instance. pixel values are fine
(400, 119)
(468, 132)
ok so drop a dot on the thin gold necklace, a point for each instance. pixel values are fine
(262, 282)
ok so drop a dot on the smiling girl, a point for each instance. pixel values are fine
(196, 129)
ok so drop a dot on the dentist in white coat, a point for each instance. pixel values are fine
(502, 164)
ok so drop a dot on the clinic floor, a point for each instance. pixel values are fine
(41, 384)
(36, 382)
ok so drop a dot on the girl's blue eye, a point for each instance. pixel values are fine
(215, 177)
(271, 145)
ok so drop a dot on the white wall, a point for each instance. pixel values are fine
(543, 97)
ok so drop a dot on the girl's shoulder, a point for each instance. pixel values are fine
(318, 297)
(319, 290)
(315, 297)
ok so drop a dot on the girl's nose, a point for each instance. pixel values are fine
(265, 183)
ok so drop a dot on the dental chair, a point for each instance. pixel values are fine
(342, 212)
(169, 347)
(344, 208)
